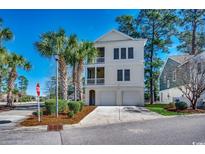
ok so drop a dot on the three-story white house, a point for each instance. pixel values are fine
(116, 76)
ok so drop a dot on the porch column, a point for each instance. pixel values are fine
(95, 75)
(86, 75)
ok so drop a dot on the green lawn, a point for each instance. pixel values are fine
(159, 108)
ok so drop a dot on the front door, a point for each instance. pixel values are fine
(92, 97)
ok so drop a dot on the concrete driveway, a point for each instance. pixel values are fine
(116, 114)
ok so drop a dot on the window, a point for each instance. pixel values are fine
(101, 52)
(199, 68)
(127, 75)
(116, 53)
(165, 78)
(119, 75)
(130, 53)
(174, 75)
(123, 53)
(168, 84)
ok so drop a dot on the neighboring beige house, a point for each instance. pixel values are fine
(116, 76)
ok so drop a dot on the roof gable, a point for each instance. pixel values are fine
(114, 35)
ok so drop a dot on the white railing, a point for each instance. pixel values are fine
(98, 81)
(97, 60)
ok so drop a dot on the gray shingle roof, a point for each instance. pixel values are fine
(181, 58)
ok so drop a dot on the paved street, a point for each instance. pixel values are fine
(175, 130)
(9, 119)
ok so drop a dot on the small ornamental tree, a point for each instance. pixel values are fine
(192, 80)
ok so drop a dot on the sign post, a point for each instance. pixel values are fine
(39, 108)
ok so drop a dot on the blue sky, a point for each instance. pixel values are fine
(27, 25)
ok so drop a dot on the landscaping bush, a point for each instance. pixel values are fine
(74, 106)
(71, 114)
(50, 106)
(36, 113)
(181, 105)
(81, 105)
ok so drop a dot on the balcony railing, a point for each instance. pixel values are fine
(98, 60)
(98, 81)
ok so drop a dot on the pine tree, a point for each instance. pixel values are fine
(192, 34)
(157, 26)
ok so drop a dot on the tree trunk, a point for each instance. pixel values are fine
(63, 77)
(193, 104)
(11, 80)
(0, 84)
(75, 79)
(151, 66)
(193, 52)
(79, 73)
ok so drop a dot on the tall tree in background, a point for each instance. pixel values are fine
(3, 69)
(5, 35)
(22, 84)
(192, 36)
(52, 43)
(157, 26)
(14, 61)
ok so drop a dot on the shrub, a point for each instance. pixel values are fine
(36, 113)
(74, 106)
(181, 105)
(50, 106)
(81, 105)
(71, 114)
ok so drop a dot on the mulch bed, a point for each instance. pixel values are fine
(189, 111)
(192, 111)
(5, 108)
(62, 118)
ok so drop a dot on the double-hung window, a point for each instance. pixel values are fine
(116, 53)
(119, 75)
(123, 53)
(130, 53)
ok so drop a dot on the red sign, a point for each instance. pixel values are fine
(38, 89)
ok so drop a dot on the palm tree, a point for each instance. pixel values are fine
(88, 52)
(54, 43)
(14, 61)
(3, 69)
(5, 34)
(72, 48)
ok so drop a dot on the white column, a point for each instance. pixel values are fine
(86, 75)
(95, 75)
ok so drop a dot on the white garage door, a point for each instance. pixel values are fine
(130, 98)
(108, 98)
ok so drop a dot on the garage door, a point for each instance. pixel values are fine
(130, 98)
(108, 98)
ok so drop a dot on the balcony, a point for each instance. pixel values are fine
(97, 81)
(95, 76)
(97, 60)
(100, 59)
